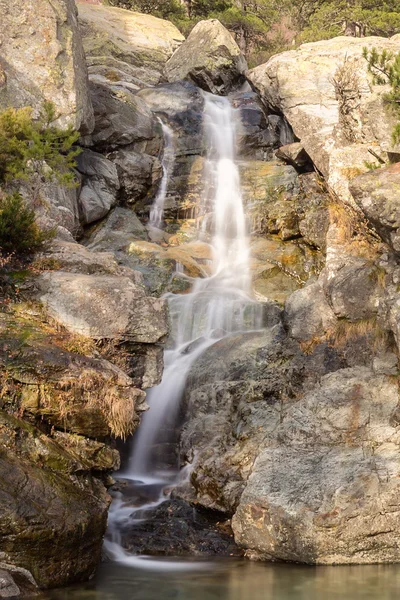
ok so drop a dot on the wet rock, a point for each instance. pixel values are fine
(103, 306)
(100, 186)
(324, 506)
(177, 528)
(377, 194)
(33, 72)
(126, 49)
(210, 58)
(279, 268)
(269, 189)
(180, 104)
(258, 133)
(308, 313)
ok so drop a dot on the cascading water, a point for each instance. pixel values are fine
(168, 160)
(216, 307)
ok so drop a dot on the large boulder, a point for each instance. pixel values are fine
(50, 526)
(336, 127)
(42, 59)
(103, 306)
(377, 193)
(210, 58)
(316, 493)
(120, 119)
(125, 49)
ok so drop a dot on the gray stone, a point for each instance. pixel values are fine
(56, 207)
(100, 186)
(117, 231)
(8, 587)
(103, 307)
(336, 134)
(308, 314)
(210, 58)
(120, 119)
(354, 290)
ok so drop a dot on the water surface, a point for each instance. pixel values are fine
(238, 580)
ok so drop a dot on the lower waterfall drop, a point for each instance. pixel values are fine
(217, 306)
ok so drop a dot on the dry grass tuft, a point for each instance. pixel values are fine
(90, 390)
(353, 231)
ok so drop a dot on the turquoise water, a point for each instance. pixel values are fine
(238, 580)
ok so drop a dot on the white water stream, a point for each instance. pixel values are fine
(167, 163)
(216, 307)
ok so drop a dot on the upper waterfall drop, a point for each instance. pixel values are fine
(167, 163)
(218, 305)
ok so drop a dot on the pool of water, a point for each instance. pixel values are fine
(236, 580)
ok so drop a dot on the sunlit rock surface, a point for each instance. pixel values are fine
(124, 48)
(34, 71)
(300, 85)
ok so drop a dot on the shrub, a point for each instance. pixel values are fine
(29, 146)
(19, 232)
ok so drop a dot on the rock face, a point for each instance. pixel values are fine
(35, 72)
(377, 194)
(312, 510)
(336, 131)
(210, 58)
(125, 49)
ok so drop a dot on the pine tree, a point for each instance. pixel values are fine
(385, 68)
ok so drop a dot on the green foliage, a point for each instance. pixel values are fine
(29, 146)
(385, 69)
(19, 232)
(323, 19)
(372, 166)
(204, 8)
(165, 9)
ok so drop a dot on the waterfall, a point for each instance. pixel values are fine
(217, 306)
(167, 163)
